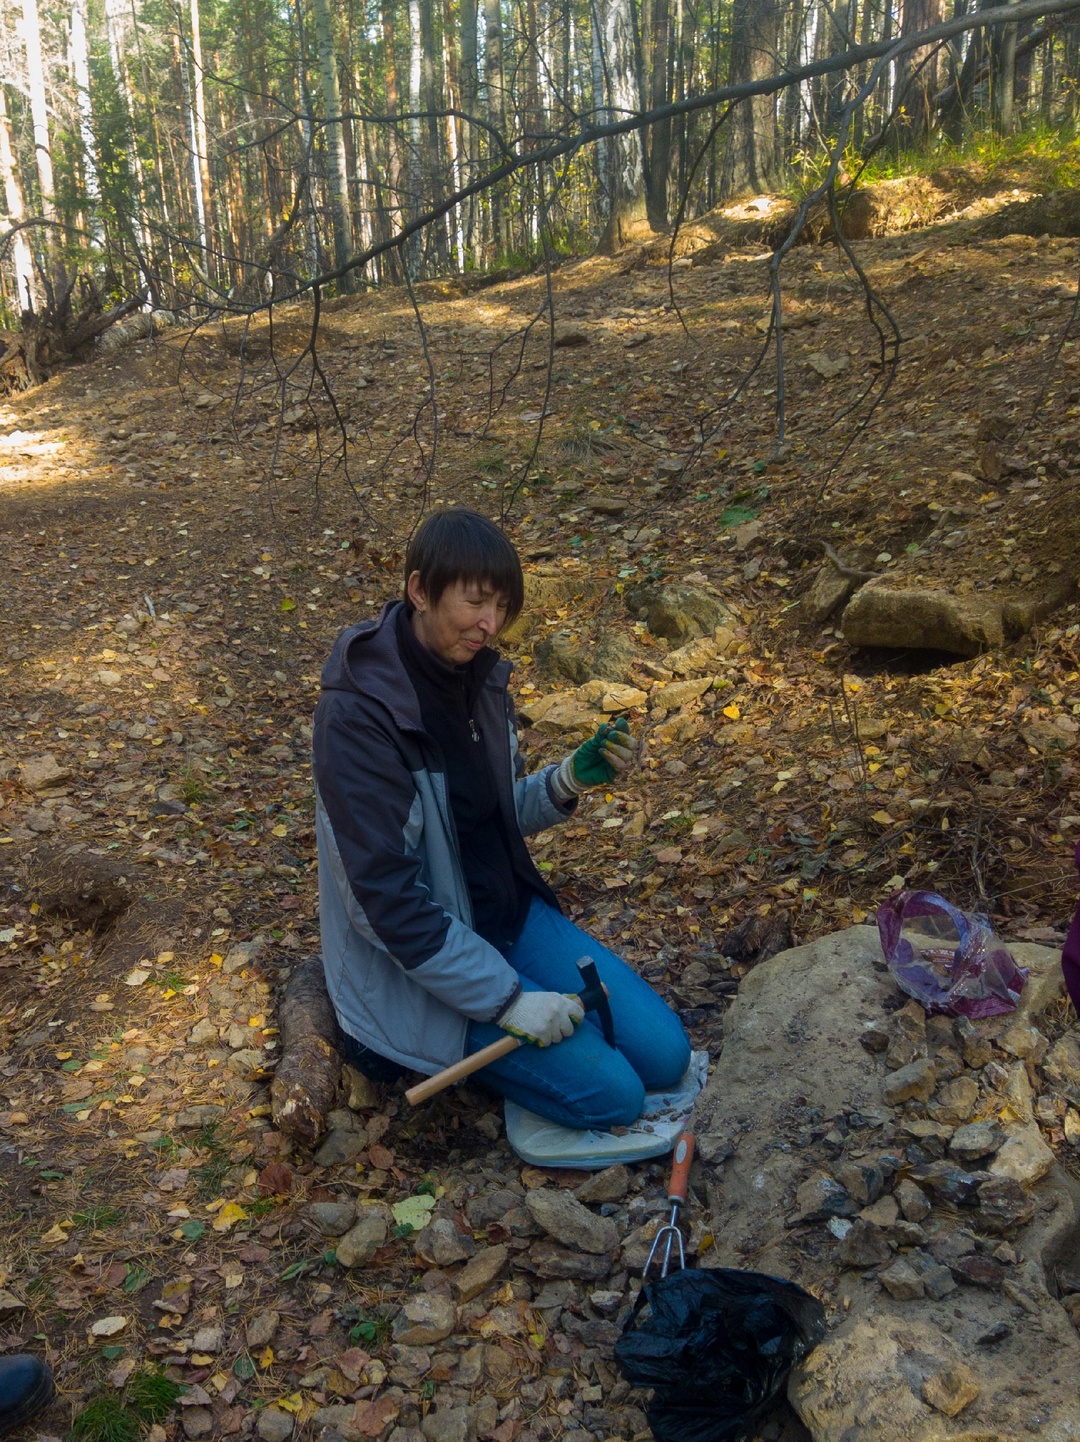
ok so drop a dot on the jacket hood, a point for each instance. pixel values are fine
(366, 659)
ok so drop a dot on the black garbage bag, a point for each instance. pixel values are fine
(717, 1347)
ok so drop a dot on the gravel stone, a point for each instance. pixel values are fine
(610, 1185)
(903, 1282)
(196, 1421)
(360, 1243)
(979, 1271)
(547, 1259)
(913, 1201)
(440, 1242)
(952, 1389)
(914, 1082)
(425, 1319)
(274, 1425)
(261, 1329)
(446, 1425)
(974, 1141)
(340, 1148)
(821, 1197)
(333, 1219)
(480, 1271)
(955, 1101)
(565, 1220)
(864, 1246)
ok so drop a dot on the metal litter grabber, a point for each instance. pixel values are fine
(669, 1236)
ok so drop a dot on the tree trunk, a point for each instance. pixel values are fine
(416, 70)
(337, 167)
(35, 71)
(600, 111)
(469, 85)
(1071, 70)
(394, 167)
(915, 87)
(954, 113)
(197, 194)
(628, 220)
(435, 168)
(202, 148)
(26, 283)
(1003, 78)
(659, 57)
(80, 75)
(752, 158)
(306, 1080)
(495, 85)
(135, 217)
(1049, 81)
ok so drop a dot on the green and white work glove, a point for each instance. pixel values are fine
(596, 763)
(542, 1017)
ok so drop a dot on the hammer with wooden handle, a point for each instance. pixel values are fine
(593, 997)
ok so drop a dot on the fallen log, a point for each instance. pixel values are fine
(306, 1082)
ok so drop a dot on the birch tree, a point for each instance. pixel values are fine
(334, 138)
(26, 286)
(628, 218)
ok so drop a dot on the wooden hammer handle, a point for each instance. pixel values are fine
(461, 1069)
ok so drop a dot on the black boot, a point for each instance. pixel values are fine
(26, 1386)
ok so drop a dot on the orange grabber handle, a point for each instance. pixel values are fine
(680, 1167)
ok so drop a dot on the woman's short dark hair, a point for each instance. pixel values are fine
(461, 545)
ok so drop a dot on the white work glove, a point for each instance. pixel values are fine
(542, 1017)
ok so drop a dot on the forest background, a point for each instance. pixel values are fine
(225, 154)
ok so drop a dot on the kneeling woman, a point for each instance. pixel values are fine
(439, 935)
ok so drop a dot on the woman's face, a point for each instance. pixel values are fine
(465, 618)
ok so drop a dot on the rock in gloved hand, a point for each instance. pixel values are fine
(597, 762)
(542, 1018)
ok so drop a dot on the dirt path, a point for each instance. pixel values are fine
(165, 616)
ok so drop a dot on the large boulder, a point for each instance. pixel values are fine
(829, 590)
(547, 590)
(965, 1338)
(923, 621)
(678, 613)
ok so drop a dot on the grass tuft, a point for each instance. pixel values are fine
(99, 1217)
(104, 1419)
(151, 1395)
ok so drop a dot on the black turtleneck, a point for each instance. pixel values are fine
(499, 871)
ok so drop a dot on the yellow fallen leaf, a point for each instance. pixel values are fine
(732, 712)
(279, 830)
(883, 818)
(55, 1236)
(265, 1358)
(228, 1217)
(109, 1326)
(292, 1403)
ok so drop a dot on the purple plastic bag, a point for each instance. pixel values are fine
(948, 959)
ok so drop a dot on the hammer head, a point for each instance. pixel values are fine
(594, 997)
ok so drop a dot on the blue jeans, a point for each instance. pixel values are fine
(582, 1082)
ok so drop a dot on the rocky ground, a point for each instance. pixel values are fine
(180, 553)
